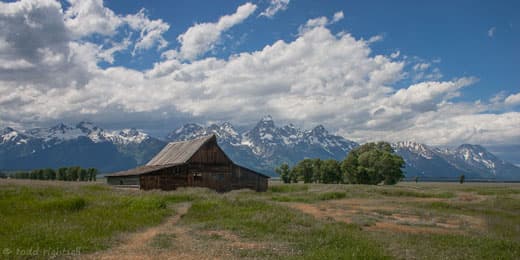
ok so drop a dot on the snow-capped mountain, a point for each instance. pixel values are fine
(84, 144)
(474, 161)
(263, 147)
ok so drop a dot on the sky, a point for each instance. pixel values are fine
(436, 72)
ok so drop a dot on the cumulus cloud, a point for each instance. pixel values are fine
(513, 99)
(86, 17)
(319, 77)
(202, 37)
(324, 21)
(274, 7)
(35, 46)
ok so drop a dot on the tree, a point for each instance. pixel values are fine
(83, 175)
(304, 170)
(33, 175)
(284, 172)
(61, 175)
(92, 172)
(316, 170)
(331, 171)
(416, 179)
(461, 178)
(49, 174)
(73, 173)
(3, 175)
(373, 163)
(293, 175)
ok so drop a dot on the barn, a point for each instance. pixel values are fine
(194, 163)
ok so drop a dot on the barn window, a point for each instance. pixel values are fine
(197, 176)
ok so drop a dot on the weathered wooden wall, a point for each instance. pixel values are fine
(165, 179)
(123, 180)
(210, 153)
(245, 178)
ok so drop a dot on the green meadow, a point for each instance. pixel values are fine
(42, 219)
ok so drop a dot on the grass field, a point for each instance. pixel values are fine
(40, 219)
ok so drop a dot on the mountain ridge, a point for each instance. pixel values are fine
(262, 148)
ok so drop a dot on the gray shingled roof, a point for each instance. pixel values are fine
(179, 152)
(141, 170)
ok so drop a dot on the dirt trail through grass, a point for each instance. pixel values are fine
(377, 215)
(137, 245)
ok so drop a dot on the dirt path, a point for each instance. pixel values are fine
(378, 215)
(137, 245)
(183, 242)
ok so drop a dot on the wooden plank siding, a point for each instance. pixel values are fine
(211, 154)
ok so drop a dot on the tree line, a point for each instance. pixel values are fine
(370, 163)
(74, 173)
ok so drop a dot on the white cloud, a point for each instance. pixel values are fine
(274, 7)
(202, 37)
(337, 17)
(86, 17)
(513, 99)
(324, 21)
(421, 66)
(150, 31)
(491, 32)
(395, 55)
(317, 78)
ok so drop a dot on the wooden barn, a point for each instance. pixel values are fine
(194, 163)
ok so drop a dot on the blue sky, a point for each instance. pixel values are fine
(454, 32)
(438, 72)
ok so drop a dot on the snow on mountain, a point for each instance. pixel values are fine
(265, 146)
(187, 132)
(10, 135)
(264, 138)
(475, 155)
(473, 161)
(423, 150)
(85, 145)
(125, 136)
(62, 132)
(57, 133)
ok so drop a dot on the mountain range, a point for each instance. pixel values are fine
(262, 148)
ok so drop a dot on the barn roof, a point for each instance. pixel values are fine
(179, 152)
(141, 170)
